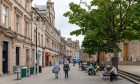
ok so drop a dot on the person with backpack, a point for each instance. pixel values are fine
(66, 69)
(56, 70)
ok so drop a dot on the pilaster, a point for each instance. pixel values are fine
(1, 43)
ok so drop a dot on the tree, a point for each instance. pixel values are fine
(113, 21)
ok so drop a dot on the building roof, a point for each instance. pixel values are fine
(41, 7)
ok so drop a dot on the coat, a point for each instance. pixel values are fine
(56, 69)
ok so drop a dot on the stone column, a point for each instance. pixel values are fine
(10, 57)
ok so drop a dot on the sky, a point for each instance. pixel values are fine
(61, 22)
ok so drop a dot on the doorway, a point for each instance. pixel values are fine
(27, 58)
(125, 52)
(17, 55)
(5, 57)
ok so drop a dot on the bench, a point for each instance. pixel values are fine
(106, 76)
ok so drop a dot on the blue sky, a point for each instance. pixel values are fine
(61, 22)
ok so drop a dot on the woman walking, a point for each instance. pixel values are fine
(66, 69)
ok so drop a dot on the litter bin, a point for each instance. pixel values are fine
(28, 72)
(23, 72)
(17, 72)
(40, 69)
(31, 70)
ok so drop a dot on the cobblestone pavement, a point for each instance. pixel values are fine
(134, 69)
(75, 77)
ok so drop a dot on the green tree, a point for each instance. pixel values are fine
(113, 21)
(93, 45)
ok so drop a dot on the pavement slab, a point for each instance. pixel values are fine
(75, 77)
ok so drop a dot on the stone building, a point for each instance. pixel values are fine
(15, 28)
(28, 37)
(52, 35)
(130, 51)
(69, 49)
(38, 39)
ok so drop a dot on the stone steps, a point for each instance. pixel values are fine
(129, 63)
(129, 76)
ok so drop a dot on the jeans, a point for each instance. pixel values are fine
(66, 74)
(56, 75)
(112, 76)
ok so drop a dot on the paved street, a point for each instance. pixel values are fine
(76, 77)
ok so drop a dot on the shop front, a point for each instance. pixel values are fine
(39, 59)
(47, 59)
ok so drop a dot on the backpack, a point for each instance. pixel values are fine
(53, 71)
(66, 67)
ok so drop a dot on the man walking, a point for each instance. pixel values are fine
(66, 69)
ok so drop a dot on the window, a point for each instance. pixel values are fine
(17, 23)
(35, 36)
(52, 45)
(27, 29)
(27, 58)
(33, 57)
(38, 38)
(5, 16)
(27, 5)
(42, 40)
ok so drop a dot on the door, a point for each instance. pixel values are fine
(27, 58)
(47, 60)
(126, 52)
(17, 55)
(5, 57)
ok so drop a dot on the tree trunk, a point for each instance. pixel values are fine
(98, 59)
(89, 56)
(115, 58)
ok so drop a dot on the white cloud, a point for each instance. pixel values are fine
(61, 22)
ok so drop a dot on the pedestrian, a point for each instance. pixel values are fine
(56, 70)
(80, 64)
(113, 73)
(74, 61)
(66, 69)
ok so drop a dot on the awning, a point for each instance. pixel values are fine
(47, 54)
(52, 53)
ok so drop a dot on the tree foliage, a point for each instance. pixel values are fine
(112, 20)
(108, 23)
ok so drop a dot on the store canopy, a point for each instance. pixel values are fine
(47, 53)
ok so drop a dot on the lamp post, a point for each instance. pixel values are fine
(36, 53)
(36, 58)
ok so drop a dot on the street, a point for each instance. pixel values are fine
(75, 77)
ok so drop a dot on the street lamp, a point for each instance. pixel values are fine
(36, 51)
(36, 63)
